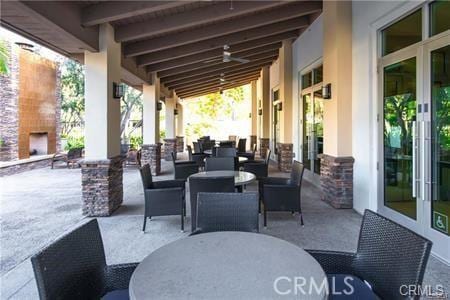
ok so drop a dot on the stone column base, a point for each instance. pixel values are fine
(170, 145)
(151, 154)
(252, 141)
(180, 143)
(102, 186)
(336, 180)
(285, 156)
(263, 146)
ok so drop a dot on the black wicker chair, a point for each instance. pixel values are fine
(199, 158)
(183, 169)
(207, 184)
(227, 212)
(388, 256)
(242, 144)
(225, 152)
(249, 155)
(74, 267)
(259, 168)
(197, 148)
(162, 198)
(282, 194)
(220, 163)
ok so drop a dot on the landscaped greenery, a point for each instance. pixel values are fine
(73, 143)
(4, 57)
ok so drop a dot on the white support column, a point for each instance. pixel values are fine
(102, 184)
(254, 114)
(265, 99)
(102, 111)
(150, 112)
(180, 125)
(170, 117)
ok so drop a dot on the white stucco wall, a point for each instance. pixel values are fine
(306, 50)
(368, 17)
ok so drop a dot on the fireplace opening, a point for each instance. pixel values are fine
(38, 143)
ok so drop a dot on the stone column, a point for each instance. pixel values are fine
(336, 180)
(151, 148)
(151, 154)
(180, 143)
(170, 145)
(264, 144)
(9, 109)
(285, 156)
(102, 187)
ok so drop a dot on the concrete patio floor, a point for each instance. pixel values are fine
(40, 205)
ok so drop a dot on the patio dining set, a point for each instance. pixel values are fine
(225, 255)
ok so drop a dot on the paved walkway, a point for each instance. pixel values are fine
(39, 205)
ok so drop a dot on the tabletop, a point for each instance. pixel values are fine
(240, 177)
(228, 265)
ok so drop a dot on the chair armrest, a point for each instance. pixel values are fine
(164, 184)
(195, 232)
(334, 262)
(275, 180)
(185, 162)
(118, 276)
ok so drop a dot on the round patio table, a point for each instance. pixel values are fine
(228, 265)
(240, 177)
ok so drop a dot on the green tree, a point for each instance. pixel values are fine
(131, 100)
(4, 57)
(72, 94)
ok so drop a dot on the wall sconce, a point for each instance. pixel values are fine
(159, 106)
(280, 106)
(118, 90)
(175, 112)
(260, 112)
(326, 91)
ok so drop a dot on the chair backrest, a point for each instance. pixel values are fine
(389, 255)
(219, 163)
(225, 144)
(73, 266)
(254, 148)
(227, 212)
(196, 147)
(268, 153)
(174, 158)
(207, 184)
(189, 148)
(146, 176)
(225, 152)
(297, 173)
(242, 145)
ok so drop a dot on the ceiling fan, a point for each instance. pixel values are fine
(226, 57)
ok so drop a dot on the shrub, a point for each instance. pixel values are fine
(136, 142)
(73, 142)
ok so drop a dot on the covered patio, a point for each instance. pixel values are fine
(339, 156)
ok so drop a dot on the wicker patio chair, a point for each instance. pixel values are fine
(72, 157)
(207, 184)
(162, 198)
(220, 164)
(227, 212)
(199, 158)
(388, 256)
(74, 267)
(283, 194)
(183, 169)
(225, 152)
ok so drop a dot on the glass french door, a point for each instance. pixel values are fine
(312, 130)
(415, 136)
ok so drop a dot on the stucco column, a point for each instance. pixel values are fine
(151, 147)
(265, 106)
(285, 146)
(170, 117)
(102, 166)
(179, 128)
(337, 161)
(254, 114)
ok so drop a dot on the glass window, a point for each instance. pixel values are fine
(439, 17)
(403, 33)
(306, 80)
(318, 75)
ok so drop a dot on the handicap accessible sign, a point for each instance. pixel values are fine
(440, 222)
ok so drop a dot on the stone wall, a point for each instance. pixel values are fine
(285, 156)
(180, 144)
(170, 145)
(9, 117)
(23, 167)
(102, 186)
(264, 144)
(336, 180)
(151, 154)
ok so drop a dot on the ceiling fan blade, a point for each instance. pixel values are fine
(241, 60)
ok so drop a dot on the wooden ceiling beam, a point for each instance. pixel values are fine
(201, 66)
(206, 71)
(213, 90)
(213, 78)
(215, 83)
(109, 11)
(194, 17)
(195, 79)
(212, 54)
(197, 51)
(190, 47)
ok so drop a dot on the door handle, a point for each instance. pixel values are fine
(415, 138)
